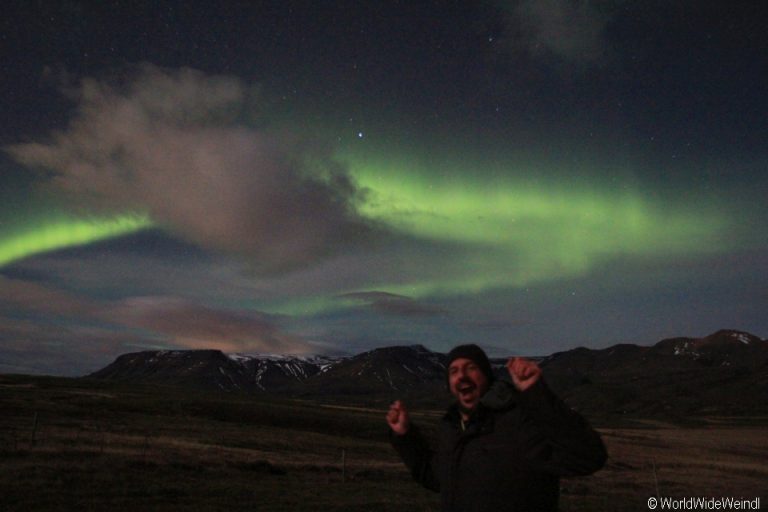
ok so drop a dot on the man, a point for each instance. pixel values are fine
(501, 446)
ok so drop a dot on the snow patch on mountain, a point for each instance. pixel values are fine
(741, 337)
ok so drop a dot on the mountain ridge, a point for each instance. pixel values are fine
(725, 372)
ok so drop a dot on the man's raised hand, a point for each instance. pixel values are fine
(397, 418)
(524, 372)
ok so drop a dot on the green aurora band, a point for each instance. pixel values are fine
(61, 231)
(509, 232)
(547, 230)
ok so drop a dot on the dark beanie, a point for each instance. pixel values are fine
(474, 353)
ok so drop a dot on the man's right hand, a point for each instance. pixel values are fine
(397, 418)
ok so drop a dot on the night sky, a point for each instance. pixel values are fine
(330, 177)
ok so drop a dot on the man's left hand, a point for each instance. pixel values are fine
(524, 372)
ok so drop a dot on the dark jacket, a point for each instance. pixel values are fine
(511, 455)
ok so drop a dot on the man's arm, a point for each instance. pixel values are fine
(559, 440)
(411, 446)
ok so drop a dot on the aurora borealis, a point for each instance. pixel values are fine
(283, 178)
(57, 233)
(552, 230)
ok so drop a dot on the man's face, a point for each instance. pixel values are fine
(467, 383)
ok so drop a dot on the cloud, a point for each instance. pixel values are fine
(157, 320)
(180, 146)
(573, 31)
(38, 298)
(194, 326)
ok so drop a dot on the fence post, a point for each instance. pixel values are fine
(34, 430)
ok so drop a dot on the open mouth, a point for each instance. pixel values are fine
(465, 390)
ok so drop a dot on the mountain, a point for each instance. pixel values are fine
(278, 372)
(194, 368)
(723, 348)
(401, 369)
(212, 369)
(723, 373)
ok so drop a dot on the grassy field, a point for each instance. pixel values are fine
(78, 445)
